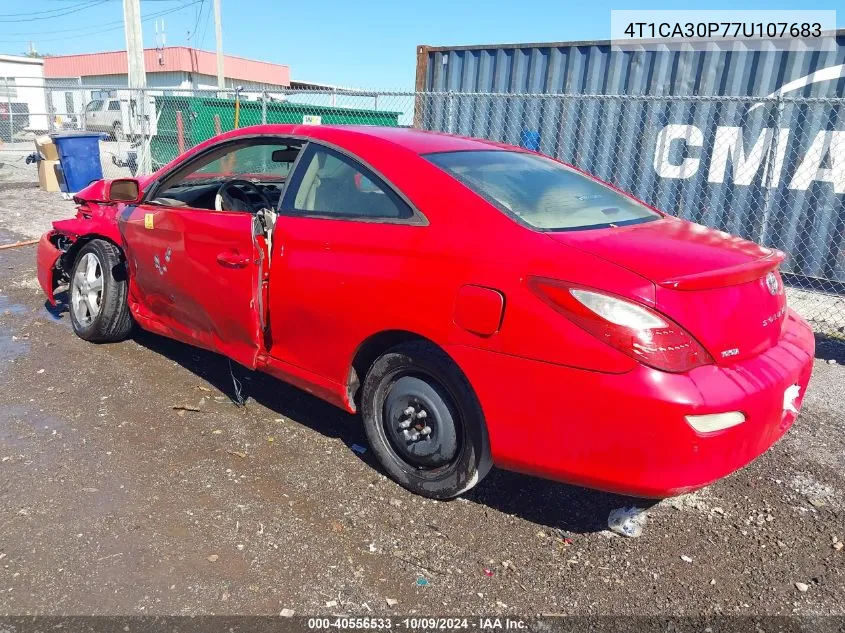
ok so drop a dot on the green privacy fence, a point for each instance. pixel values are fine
(201, 118)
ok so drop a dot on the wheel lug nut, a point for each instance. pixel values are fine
(426, 430)
(404, 424)
(409, 411)
(422, 414)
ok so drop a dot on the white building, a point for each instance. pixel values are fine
(22, 88)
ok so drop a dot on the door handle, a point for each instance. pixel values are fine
(233, 260)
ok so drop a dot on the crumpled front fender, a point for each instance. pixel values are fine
(47, 256)
(100, 222)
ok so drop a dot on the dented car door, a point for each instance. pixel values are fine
(194, 274)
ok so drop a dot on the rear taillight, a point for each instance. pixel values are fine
(634, 329)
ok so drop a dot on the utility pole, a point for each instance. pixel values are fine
(218, 30)
(134, 44)
(137, 116)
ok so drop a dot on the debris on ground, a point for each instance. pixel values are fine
(391, 602)
(185, 407)
(240, 454)
(180, 501)
(421, 582)
(802, 587)
(331, 603)
(213, 558)
(18, 244)
(488, 572)
(686, 558)
(627, 521)
(357, 448)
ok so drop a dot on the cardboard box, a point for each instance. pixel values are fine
(46, 147)
(47, 179)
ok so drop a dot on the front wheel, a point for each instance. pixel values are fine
(99, 311)
(117, 132)
(424, 422)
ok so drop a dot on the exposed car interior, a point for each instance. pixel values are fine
(540, 192)
(245, 177)
(332, 185)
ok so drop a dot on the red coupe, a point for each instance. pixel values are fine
(478, 303)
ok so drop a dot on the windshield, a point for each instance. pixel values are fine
(267, 162)
(540, 192)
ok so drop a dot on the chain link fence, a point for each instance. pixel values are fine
(770, 170)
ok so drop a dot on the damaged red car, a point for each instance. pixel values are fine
(477, 303)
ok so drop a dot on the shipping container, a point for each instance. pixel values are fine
(748, 141)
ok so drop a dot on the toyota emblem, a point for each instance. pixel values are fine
(772, 283)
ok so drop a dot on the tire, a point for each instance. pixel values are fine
(454, 454)
(97, 295)
(117, 131)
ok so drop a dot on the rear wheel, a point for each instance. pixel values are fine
(424, 422)
(99, 311)
(117, 131)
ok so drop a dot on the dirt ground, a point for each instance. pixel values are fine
(115, 501)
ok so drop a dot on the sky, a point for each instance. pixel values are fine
(364, 44)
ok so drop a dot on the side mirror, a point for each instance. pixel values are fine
(124, 190)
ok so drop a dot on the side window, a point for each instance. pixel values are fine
(263, 162)
(114, 105)
(94, 106)
(328, 183)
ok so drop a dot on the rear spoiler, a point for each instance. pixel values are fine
(730, 276)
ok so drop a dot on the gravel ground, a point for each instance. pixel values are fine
(27, 211)
(112, 501)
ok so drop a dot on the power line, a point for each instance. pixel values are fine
(76, 9)
(31, 13)
(118, 25)
(193, 31)
(94, 29)
(205, 25)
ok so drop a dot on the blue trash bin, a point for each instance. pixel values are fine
(79, 157)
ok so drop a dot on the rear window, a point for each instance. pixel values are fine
(540, 192)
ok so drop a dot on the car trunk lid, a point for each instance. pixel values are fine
(715, 285)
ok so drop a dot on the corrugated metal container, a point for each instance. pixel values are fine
(650, 111)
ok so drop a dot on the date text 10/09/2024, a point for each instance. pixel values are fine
(417, 623)
(715, 30)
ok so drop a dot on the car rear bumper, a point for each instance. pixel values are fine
(628, 433)
(47, 256)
